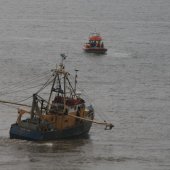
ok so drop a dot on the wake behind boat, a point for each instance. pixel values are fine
(64, 114)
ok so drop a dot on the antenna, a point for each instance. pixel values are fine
(63, 57)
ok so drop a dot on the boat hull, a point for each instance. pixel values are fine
(18, 132)
(95, 50)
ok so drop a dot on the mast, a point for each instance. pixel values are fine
(64, 92)
(75, 80)
(33, 105)
(52, 88)
(57, 73)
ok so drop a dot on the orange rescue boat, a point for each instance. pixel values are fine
(95, 44)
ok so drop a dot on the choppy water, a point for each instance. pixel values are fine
(130, 85)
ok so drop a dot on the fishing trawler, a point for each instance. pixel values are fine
(95, 44)
(64, 114)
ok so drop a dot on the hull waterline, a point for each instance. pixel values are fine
(95, 50)
(18, 132)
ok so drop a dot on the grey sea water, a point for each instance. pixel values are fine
(129, 86)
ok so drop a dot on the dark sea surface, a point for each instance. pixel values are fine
(129, 86)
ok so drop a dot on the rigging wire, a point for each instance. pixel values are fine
(20, 101)
(21, 90)
(24, 83)
(45, 84)
(85, 95)
(32, 82)
(32, 78)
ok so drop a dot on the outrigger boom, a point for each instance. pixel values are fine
(108, 125)
(14, 103)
